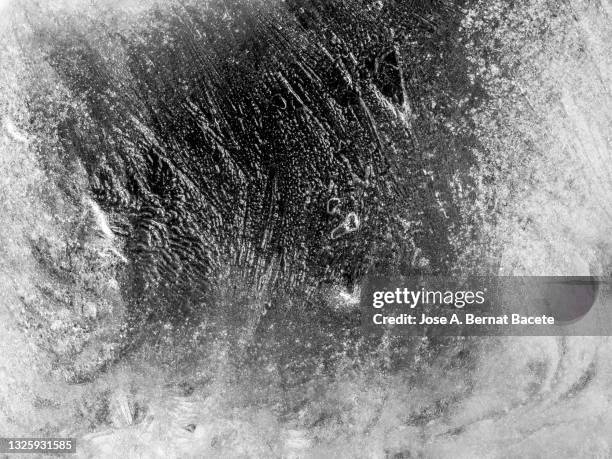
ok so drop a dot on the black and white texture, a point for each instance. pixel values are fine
(191, 193)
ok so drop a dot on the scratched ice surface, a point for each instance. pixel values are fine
(191, 193)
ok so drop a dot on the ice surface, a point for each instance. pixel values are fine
(109, 223)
